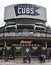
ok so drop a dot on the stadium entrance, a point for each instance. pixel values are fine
(17, 48)
(23, 32)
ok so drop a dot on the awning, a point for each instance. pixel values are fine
(26, 41)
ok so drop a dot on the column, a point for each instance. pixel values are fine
(47, 53)
(16, 26)
(34, 27)
(6, 52)
(46, 44)
(5, 44)
(4, 48)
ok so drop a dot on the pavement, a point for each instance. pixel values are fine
(20, 62)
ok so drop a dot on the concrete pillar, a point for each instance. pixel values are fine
(46, 44)
(5, 44)
(16, 26)
(47, 51)
(34, 27)
(5, 28)
(4, 48)
(5, 52)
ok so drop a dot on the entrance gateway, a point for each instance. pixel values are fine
(25, 29)
(17, 48)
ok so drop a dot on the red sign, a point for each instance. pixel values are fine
(26, 41)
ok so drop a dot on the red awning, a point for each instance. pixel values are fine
(26, 41)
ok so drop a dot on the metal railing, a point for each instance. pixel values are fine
(26, 34)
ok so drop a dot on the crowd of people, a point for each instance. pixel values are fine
(27, 57)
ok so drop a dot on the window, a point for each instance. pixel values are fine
(26, 28)
(37, 28)
(10, 29)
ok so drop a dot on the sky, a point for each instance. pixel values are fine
(44, 3)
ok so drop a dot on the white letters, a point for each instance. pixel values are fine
(19, 12)
(32, 11)
(27, 10)
(23, 10)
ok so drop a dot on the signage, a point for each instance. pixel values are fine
(26, 41)
(26, 9)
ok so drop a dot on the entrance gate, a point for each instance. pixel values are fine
(19, 52)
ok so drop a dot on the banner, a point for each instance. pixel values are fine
(43, 48)
(8, 48)
(18, 48)
(34, 48)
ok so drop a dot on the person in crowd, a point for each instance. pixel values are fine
(29, 58)
(24, 59)
(50, 55)
(42, 58)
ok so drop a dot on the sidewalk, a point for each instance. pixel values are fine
(12, 63)
(20, 62)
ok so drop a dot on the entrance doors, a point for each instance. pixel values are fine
(24, 50)
(18, 52)
(11, 52)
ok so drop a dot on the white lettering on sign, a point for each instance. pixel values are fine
(19, 10)
(32, 11)
(25, 10)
